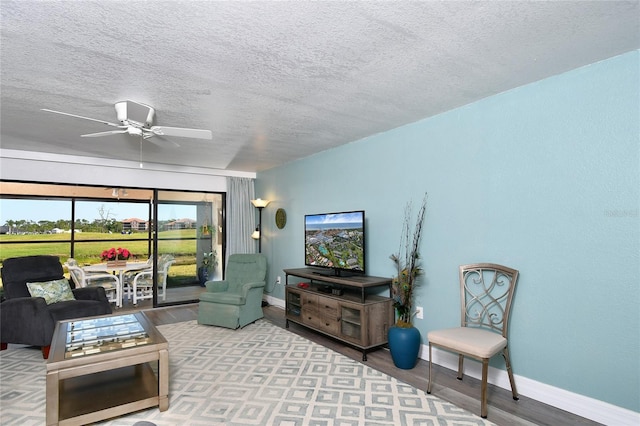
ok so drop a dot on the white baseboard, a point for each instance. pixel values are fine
(590, 408)
(274, 301)
(584, 406)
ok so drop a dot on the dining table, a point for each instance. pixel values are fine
(118, 270)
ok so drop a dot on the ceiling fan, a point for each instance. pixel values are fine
(137, 119)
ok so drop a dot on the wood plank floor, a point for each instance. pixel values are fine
(503, 410)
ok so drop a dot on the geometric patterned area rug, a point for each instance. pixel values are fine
(258, 375)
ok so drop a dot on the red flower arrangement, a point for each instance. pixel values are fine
(116, 254)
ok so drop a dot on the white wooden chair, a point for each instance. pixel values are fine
(142, 286)
(127, 285)
(109, 282)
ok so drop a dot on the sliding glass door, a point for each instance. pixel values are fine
(189, 235)
(182, 230)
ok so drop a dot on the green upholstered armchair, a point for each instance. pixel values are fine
(237, 300)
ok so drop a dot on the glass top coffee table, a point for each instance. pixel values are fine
(103, 367)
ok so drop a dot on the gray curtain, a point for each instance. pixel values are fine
(241, 216)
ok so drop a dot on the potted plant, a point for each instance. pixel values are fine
(404, 338)
(116, 256)
(209, 264)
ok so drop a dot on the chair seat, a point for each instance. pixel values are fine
(143, 281)
(472, 341)
(223, 297)
(103, 283)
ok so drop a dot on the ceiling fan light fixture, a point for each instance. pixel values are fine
(134, 131)
(150, 117)
(121, 111)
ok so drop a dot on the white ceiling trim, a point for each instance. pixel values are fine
(8, 154)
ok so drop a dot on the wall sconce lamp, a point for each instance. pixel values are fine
(257, 234)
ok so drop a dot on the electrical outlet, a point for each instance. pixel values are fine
(278, 279)
(419, 312)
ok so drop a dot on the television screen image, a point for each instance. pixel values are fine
(335, 240)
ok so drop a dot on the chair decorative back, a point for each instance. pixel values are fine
(77, 274)
(486, 291)
(164, 262)
(246, 268)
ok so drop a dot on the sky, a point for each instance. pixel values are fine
(347, 217)
(37, 210)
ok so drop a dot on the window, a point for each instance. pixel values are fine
(82, 221)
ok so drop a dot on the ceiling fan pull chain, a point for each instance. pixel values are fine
(141, 139)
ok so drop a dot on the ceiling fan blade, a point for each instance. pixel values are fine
(110, 132)
(181, 132)
(162, 142)
(84, 118)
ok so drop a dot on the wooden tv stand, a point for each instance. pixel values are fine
(349, 314)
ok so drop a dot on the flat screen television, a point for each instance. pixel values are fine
(335, 242)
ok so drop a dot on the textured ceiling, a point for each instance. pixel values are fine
(277, 81)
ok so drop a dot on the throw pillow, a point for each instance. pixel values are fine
(52, 291)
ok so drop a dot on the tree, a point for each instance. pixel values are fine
(82, 225)
(105, 218)
(11, 224)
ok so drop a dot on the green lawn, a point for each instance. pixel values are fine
(182, 272)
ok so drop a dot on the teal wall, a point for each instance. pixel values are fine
(544, 178)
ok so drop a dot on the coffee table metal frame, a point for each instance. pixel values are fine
(96, 386)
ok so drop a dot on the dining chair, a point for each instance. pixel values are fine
(142, 285)
(109, 282)
(129, 276)
(486, 293)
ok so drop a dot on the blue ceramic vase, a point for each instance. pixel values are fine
(203, 275)
(404, 344)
